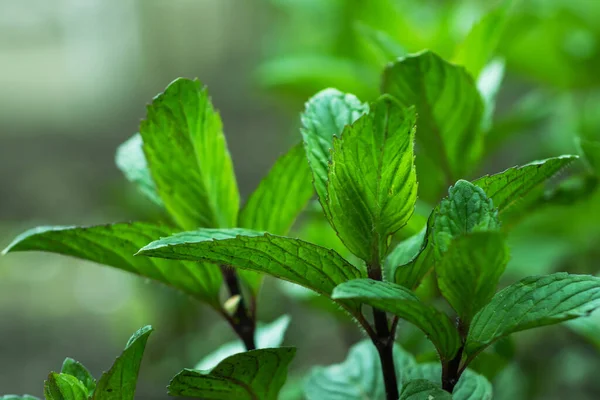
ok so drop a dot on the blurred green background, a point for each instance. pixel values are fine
(76, 75)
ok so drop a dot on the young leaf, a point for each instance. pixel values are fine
(480, 44)
(64, 387)
(325, 116)
(115, 245)
(421, 389)
(469, 272)
(130, 159)
(267, 335)
(119, 382)
(76, 369)
(372, 182)
(532, 302)
(256, 374)
(403, 253)
(449, 106)
(280, 196)
(466, 209)
(508, 187)
(186, 150)
(294, 260)
(402, 302)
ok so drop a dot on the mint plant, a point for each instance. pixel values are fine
(74, 381)
(364, 161)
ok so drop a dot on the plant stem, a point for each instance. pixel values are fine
(451, 371)
(384, 342)
(241, 321)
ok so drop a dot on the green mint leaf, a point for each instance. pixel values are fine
(325, 116)
(114, 245)
(383, 46)
(449, 106)
(402, 254)
(64, 387)
(359, 377)
(532, 302)
(187, 154)
(591, 151)
(280, 196)
(466, 209)
(481, 43)
(16, 397)
(130, 159)
(372, 182)
(421, 389)
(267, 335)
(507, 188)
(400, 301)
(488, 84)
(469, 272)
(294, 260)
(256, 374)
(119, 382)
(76, 369)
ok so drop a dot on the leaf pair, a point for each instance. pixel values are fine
(180, 161)
(75, 382)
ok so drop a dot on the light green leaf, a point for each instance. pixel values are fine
(588, 327)
(481, 43)
(466, 209)
(119, 382)
(325, 116)
(372, 182)
(403, 253)
(114, 245)
(16, 397)
(64, 387)
(469, 272)
(188, 157)
(359, 377)
(384, 47)
(76, 369)
(532, 302)
(130, 159)
(508, 187)
(267, 335)
(591, 151)
(449, 106)
(290, 259)
(281, 195)
(421, 389)
(488, 84)
(400, 301)
(256, 374)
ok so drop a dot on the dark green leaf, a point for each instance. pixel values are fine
(470, 270)
(325, 116)
(449, 106)
(400, 301)
(64, 387)
(281, 195)
(508, 187)
(372, 182)
(421, 389)
(76, 369)
(256, 374)
(466, 209)
(290, 259)
(115, 245)
(119, 382)
(131, 161)
(186, 150)
(532, 302)
(267, 335)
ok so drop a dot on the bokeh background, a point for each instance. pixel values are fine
(75, 76)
